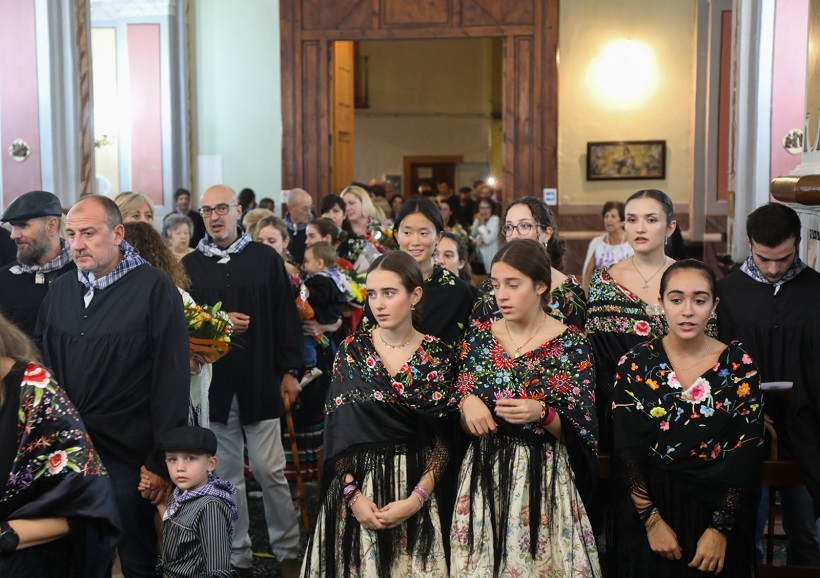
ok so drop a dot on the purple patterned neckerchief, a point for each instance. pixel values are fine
(216, 486)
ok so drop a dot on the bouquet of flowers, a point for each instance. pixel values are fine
(208, 330)
(356, 280)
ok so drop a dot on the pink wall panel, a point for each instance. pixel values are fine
(788, 80)
(19, 108)
(146, 110)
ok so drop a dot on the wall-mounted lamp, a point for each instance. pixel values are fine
(624, 74)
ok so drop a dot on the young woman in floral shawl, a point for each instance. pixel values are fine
(525, 390)
(56, 500)
(385, 451)
(687, 417)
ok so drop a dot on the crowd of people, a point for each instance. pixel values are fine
(460, 421)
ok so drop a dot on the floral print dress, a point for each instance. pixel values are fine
(694, 452)
(519, 509)
(387, 431)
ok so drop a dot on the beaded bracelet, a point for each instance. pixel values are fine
(423, 496)
(353, 501)
(548, 414)
(461, 403)
(420, 499)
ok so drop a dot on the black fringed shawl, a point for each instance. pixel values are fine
(50, 468)
(372, 419)
(707, 439)
(558, 372)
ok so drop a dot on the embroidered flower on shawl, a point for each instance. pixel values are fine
(746, 359)
(560, 383)
(465, 383)
(657, 412)
(57, 462)
(398, 387)
(665, 425)
(652, 384)
(500, 358)
(706, 411)
(554, 348)
(700, 391)
(36, 376)
(642, 328)
(743, 390)
(672, 380)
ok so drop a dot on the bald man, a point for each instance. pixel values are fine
(115, 337)
(300, 205)
(250, 382)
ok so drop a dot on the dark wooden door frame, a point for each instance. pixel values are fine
(409, 160)
(530, 120)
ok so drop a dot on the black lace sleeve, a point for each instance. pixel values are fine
(631, 465)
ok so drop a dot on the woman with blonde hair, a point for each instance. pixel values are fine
(52, 476)
(273, 232)
(360, 210)
(135, 207)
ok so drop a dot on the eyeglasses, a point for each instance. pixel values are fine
(221, 209)
(523, 227)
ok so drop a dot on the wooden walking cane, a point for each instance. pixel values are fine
(295, 451)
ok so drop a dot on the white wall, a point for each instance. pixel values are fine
(427, 97)
(237, 93)
(663, 113)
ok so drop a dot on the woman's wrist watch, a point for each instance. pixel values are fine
(8, 538)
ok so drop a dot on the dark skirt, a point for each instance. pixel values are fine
(687, 508)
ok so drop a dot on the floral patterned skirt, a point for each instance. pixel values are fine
(566, 543)
(405, 565)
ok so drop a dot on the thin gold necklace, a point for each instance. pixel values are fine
(403, 345)
(645, 280)
(518, 348)
(702, 357)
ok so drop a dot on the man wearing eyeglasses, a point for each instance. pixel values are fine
(250, 382)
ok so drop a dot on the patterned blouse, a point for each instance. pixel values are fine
(558, 372)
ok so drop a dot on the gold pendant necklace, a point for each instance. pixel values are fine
(702, 357)
(645, 280)
(391, 346)
(517, 352)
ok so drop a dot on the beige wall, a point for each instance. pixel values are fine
(237, 93)
(427, 97)
(665, 113)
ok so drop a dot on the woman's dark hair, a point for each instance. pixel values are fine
(772, 224)
(541, 214)
(609, 205)
(464, 273)
(408, 270)
(492, 203)
(691, 265)
(659, 196)
(245, 198)
(326, 227)
(330, 201)
(529, 257)
(152, 247)
(421, 205)
(452, 202)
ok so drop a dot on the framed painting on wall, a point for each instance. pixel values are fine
(626, 160)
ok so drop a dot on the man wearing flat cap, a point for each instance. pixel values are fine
(42, 256)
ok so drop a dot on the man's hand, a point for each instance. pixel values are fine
(153, 487)
(240, 323)
(290, 387)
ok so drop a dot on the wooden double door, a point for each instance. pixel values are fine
(529, 29)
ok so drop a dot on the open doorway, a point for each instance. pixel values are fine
(435, 102)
